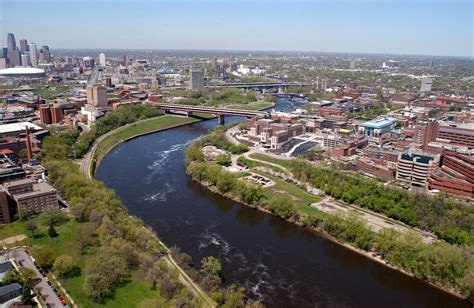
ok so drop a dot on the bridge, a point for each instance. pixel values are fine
(281, 86)
(217, 111)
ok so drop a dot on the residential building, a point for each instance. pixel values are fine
(102, 59)
(45, 114)
(426, 83)
(4, 208)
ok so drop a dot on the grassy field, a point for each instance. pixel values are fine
(281, 162)
(143, 127)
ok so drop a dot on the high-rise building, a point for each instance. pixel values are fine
(4, 208)
(3, 63)
(196, 80)
(97, 96)
(24, 60)
(4, 52)
(14, 57)
(426, 84)
(102, 59)
(88, 62)
(11, 43)
(33, 55)
(108, 82)
(24, 46)
(46, 53)
(353, 65)
(125, 60)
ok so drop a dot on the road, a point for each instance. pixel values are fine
(43, 288)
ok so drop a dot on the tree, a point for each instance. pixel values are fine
(103, 273)
(65, 267)
(22, 276)
(167, 286)
(31, 226)
(52, 231)
(85, 236)
(44, 256)
(53, 217)
(210, 265)
(281, 205)
(234, 297)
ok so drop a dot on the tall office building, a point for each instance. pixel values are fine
(102, 59)
(23, 46)
(88, 62)
(426, 83)
(3, 63)
(4, 52)
(196, 80)
(11, 43)
(24, 60)
(33, 55)
(97, 96)
(14, 57)
(46, 53)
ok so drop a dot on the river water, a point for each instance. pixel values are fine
(277, 262)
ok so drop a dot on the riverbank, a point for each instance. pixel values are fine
(321, 232)
(109, 141)
(404, 252)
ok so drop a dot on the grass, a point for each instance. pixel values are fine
(134, 293)
(252, 164)
(280, 162)
(301, 198)
(143, 127)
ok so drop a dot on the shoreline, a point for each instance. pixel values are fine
(367, 254)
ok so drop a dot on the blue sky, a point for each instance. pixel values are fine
(438, 27)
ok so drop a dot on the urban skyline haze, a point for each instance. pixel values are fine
(395, 27)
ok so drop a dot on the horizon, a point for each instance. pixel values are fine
(350, 27)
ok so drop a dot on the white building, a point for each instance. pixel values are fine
(33, 55)
(426, 83)
(102, 59)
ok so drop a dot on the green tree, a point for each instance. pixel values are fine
(52, 231)
(44, 256)
(53, 217)
(66, 267)
(22, 276)
(31, 227)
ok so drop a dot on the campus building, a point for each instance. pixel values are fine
(414, 169)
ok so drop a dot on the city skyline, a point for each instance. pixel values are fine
(320, 26)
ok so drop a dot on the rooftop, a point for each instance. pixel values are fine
(21, 70)
(16, 127)
(378, 123)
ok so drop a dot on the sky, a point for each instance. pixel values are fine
(436, 27)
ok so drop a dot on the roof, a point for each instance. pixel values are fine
(5, 266)
(21, 71)
(378, 123)
(9, 288)
(16, 127)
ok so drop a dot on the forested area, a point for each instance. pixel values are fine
(447, 265)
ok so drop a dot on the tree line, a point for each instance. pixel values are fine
(441, 263)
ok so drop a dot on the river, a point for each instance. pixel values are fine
(277, 262)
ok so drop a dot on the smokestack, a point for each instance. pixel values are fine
(28, 144)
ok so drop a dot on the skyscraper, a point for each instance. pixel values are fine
(24, 47)
(24, 60)
(196, 80)
(4, 52)
(33, 55)
(102, 59)
(46, 53)
(11, 43)
(14, 57)
(97, 96)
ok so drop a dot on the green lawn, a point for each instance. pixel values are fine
(281, 162)
(301, 199)
(135, 293)
(146, 126)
